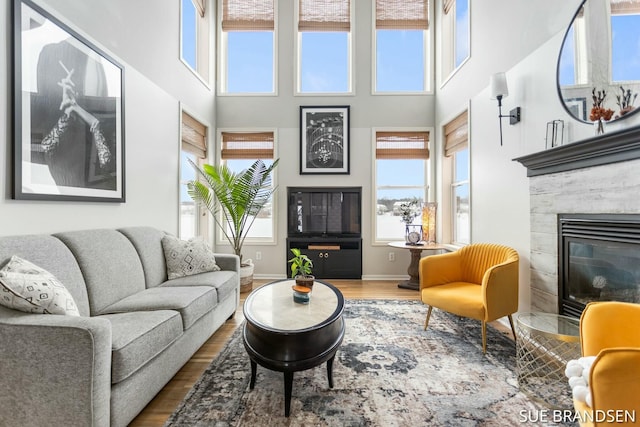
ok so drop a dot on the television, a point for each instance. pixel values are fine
(324, 211)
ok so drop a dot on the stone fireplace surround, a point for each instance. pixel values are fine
(598, 175)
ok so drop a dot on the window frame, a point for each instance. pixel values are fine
(428, 43)
(222, 57)
(297, 57)
(220, 239)
(448, 43)
(428, 179)
(203, 44)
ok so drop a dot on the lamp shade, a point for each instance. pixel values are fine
(498, 83)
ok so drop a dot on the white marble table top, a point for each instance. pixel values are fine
(272, 306)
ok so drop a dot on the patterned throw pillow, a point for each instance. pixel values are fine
(29, 288)
(187, 257)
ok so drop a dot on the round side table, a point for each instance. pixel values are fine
(545, 343)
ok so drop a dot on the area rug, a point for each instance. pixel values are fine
(389, 371)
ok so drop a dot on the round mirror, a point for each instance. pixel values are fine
(598, 74)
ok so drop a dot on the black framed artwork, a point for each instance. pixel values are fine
(577, 107)
(324, 140)
(68, 121)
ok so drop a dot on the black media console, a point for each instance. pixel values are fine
(325, 224)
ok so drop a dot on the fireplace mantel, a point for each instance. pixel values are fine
(614, 147)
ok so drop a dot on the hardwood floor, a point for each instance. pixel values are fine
(165, 402)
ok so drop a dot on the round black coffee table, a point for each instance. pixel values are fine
(285, 336)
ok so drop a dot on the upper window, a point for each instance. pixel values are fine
(457, 149)
(194, 33)
(625, 40)
(402, 171)
(239, 151)
(573, 68)
(401, 46)
(456, 36)
(247, 47)
(194, 149)
(324, 46)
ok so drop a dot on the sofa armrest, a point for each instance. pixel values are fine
(228, 261)
(500, 289)
(54, 369)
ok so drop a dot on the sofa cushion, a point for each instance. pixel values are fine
(110, 265)
(225, 282)
(26, 287)
(147, 241)
(187, 257)
(51, 254)
(138, 337)
(191, 302)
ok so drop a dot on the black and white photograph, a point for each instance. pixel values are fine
(68, 123)
(324, 140)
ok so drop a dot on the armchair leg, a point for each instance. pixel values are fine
(512, 328)
(484, 337)
(426, 322)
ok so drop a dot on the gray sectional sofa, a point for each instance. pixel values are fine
(136, 329)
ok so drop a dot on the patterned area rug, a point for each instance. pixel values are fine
(388, 372)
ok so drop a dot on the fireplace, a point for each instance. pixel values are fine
(598, 260)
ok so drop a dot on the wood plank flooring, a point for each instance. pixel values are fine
(165, 402)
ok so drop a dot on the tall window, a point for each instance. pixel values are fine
(457, 149)
(194, 36)
(324, 46)
(625, 40)
(247, 46)
(573, 68)
(401, 46)
(455, 40)
(194, 148)
(402, 171)
(239, 151)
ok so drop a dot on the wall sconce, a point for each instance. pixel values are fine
(499, 90)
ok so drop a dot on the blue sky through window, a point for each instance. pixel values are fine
(625, 50)
(250, 62)
(400, 62)
(324, 62)
(189, 33)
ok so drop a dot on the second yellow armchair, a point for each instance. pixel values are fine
(479, 281)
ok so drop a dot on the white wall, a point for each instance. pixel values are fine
(144, 38)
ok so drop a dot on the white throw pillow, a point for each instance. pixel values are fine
(29, 288)
(187, 257)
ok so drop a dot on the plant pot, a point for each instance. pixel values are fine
(246, 276)
(306, 281)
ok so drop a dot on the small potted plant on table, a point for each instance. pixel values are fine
(301, 269)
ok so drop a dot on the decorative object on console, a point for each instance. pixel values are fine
(413, 234)
(499, 90)
(555, 133)
(429, 210)
(301, 269)
(68, 113)
(324, 140)
(301, 294)
(234, 200)
(599, 114)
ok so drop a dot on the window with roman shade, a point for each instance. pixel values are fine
(194, 136)
(195, 37)
(193, 150)
(456, 134)
(456, 152)
(402, 42)
(247, 145)
(247, 46)
(324, 46)
(401, 175)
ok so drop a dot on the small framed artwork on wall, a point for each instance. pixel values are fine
(324, 140)
(68, 122)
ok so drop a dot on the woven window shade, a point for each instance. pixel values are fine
(456, 134)
(247, 145)
(402, 14)
(200, 6)
(625, 7)
(194, 136)
(324, 15)
(447, 5)
(402, 145)
(247, 15)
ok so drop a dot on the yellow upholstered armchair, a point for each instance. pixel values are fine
(479, 281)
(608, 330)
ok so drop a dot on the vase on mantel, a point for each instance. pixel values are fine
(599, 126)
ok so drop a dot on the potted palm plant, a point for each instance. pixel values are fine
(234, 200)
(301, 269)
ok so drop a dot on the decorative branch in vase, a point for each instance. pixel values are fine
(625, 101)
(599, 114)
